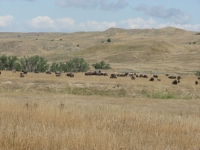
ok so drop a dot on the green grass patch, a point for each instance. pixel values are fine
(94, 91)
(165, 94)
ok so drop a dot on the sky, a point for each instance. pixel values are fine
(97, 15)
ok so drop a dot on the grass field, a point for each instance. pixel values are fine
(43, 111)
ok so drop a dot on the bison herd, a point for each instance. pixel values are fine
(176, 79)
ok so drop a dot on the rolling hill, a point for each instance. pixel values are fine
(150, 50)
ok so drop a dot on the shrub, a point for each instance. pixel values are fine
(108, 40)
(197, 73)
(101, 65)
(76, 65)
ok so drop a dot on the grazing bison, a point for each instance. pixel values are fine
(132, 78)
(196, 82)
(145, 76)
(179, 77)
(58, 74)
(141, 75)
(155, 76)
(136, 75)
(48, 72)
(70, 74)
(121, 75)
(0, 72)
(21, 74)
(175, 82)
(113, 76)
(172, 77)
(151, 79)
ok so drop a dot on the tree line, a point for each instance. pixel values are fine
(39, 63)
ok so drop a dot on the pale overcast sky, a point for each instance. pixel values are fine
(97, 15)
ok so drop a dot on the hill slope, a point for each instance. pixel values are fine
(157, 50)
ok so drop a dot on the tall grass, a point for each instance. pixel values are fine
(100, 127)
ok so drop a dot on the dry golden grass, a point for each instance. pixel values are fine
(38, 112)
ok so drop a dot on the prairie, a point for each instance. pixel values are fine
(42, 111)
(45, 112)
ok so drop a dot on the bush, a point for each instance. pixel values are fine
(197, 73)
(76, 65)
(108, 40)
(101, 65)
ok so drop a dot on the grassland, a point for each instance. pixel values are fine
(46, 112)
(43, 111)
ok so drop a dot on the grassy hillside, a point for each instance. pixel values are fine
(158, 50)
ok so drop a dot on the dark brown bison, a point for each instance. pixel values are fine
(155, 76)
(0, 72)
(145, 76)
(136, 75)
(58, 74)
(88, 73)
(70, 74)
(198, 78)
(175, 82)
(21, 74)
(172, 77)
(121, 75)
(179, 77)
(151, 79)
(132, 78)
(25, 71)
(113, 76)
(141, 76)
(196, 82)
(48, 72)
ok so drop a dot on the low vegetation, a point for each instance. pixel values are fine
(165, 94)
(38, 63)
(101, 65)
(197, 73)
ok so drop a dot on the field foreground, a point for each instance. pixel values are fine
(42, 111)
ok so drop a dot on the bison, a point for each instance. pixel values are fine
(166, 74)
(132, 78)
(113, 76)
(121, 75)
(151, 79)
(58, 74)
(155, 76)
(48, 72)
(145, 76)
(0, 72)
(21, 74)
(70, 74)
(172, 77)
(175, 82)
(198, 78)
(179, 77)
(196, 82)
